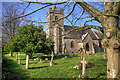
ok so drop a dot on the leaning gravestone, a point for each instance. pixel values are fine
(51, 62)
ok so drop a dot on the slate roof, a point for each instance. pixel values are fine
(74, 33)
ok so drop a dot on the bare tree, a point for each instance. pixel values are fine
(10, 10)
(109, 19)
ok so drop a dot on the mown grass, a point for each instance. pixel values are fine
(62, 69)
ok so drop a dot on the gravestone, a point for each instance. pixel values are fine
(19, 58)
(51, 62)
(71, 54)
(27, 61)
(84, 66)
(40, 57)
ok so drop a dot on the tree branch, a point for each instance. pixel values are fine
(92, 11)
(88, 21)
(31, 12)
(44, 2)
(56, 20)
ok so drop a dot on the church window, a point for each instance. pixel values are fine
(72, 44)
(100, 44)
(87, 47)
(56, 17)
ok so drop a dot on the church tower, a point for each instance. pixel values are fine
(55, 29)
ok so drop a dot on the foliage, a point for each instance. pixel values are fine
(31, 39)
(48, 46)
(62, 69)
(81, 49)
(9, 47)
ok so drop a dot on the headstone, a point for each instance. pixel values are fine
(70, 54)
(27, 61)
(52, 57)
(51, 62)
(84, 66)
(19, 58)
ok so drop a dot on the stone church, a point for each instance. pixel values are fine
(68, 39)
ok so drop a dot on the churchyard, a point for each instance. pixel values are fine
(62, 68)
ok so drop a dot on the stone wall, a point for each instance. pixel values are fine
(75, 47)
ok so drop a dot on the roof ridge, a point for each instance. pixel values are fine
(95, 33)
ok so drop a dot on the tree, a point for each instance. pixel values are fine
(109, 19)
(9, 48)
(29, 38)
(9, 11)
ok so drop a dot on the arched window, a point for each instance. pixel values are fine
(72, 44)
(56, 17)
(87, 47)
(100, 44)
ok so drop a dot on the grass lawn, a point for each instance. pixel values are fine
(62, 69)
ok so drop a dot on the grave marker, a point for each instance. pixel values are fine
(52, 56)
(27, 61)
(51, 62)
(84, 66)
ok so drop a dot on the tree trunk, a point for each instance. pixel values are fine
(27, 61)
(18, 58)
(111, 41)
